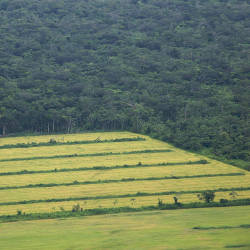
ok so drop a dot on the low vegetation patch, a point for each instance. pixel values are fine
(238, 246)
(223, 227)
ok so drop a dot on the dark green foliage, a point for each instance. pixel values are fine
(175, 70)
(238, 246)
(207, 196)
(223, 200)
(160, 203)
(76, 208)
(175, 200)
(223, 227)
(19, 212)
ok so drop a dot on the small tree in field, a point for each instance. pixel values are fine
(206, 196)
(175, 200)
(76, 208)
(160, 202)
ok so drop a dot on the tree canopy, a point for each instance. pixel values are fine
(174, 69)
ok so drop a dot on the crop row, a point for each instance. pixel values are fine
(136, 201)
(86, 155)
(99, 211)
(106, 160)
(117, 181)
(67, 137)
(121, 188)
(78, 149)
(117, 196)
(53, 142)
(138, 165)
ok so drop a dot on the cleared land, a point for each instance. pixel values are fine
(119, 177)
(144, 230)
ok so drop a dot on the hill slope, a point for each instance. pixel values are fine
(177, 70)
(44, 174)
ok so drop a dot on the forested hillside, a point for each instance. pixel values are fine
(174, 69)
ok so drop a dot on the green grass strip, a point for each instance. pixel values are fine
(41, 185)
(87, 155)
(94, 168)
(57, 143)
(115, 210)
(138, 194)
(238, 246)
(222, 227)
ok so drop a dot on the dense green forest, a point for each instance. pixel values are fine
(177, 70)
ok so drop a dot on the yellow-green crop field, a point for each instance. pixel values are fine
(120, 181)
(67, 137)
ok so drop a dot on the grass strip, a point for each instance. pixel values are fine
(238, 246)
(106, 167)
(222, 227)
(87, 155)
(53, 142)
(115, 210)
(40, 185)
(138, 194)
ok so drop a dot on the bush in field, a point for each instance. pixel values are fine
(233, 195)
(160, 202)
(207, 196)
(223, 200)
(133, 201)
(52, 141)
(175, 200)
(76, 208)
(19, 212)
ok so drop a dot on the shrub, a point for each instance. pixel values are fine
(76, 208)
(52, 141)
(19, 212)
(223, 200)
(207, 196)
(160, 203)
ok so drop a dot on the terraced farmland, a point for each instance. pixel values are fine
(41, 174)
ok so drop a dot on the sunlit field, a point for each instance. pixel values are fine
(104, 181)
(67, 137)
(115, 202)
(114, 174)
(144, 230)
